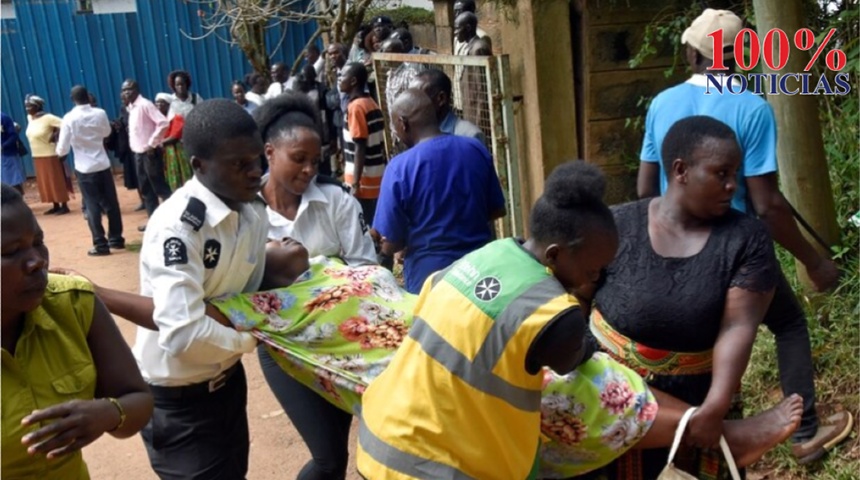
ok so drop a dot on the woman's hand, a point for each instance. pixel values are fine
(75, 425)
(705, 428)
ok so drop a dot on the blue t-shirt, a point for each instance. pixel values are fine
(748, 115)
(436, 199)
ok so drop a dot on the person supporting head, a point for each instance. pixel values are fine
(68, 376)
(177, 169)
(754, 124)
(183, 101)
(146, 128)
(486, 360)
(436, 85)
(363, 149)
(438, 197)
(209, 240)
(42, 132)
(279, 85)
(13, 166)
(320, 213)
(84, 130)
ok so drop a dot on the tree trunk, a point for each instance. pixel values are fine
(800, 150)
(251, 38)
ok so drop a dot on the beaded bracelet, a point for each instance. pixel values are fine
(121, 411)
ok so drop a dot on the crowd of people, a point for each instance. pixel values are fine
(574, 353)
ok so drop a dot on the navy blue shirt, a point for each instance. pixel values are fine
(436, 200)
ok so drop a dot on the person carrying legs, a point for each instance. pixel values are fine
(752, 119)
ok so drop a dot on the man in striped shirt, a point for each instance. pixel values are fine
(364, 151)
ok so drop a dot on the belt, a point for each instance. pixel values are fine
(196, 389)
(645, 360)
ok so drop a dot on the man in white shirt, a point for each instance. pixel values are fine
(280, 83)
(209, 240)
(84, 129)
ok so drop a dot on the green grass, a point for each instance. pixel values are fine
(133, 246)
(834, 319)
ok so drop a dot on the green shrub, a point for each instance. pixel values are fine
(410, 15)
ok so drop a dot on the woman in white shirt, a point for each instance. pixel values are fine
(320, 213)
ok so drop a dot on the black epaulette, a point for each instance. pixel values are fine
(326, 180)
(194, 214)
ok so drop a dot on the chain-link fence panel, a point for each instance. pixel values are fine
(481, 94)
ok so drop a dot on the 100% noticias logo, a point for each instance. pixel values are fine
(777, 83)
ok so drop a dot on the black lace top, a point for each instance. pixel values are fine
(677, 304)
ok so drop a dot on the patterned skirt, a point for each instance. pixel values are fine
(337, 327)
(177, 167)
(685, 375)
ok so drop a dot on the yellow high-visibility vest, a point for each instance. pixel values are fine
(456, 402)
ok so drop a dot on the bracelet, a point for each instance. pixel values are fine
(121, 411)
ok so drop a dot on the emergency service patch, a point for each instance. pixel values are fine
(175, 252)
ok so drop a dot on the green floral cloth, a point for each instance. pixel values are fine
(336, 328)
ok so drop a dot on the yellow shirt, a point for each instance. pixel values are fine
(39, 134)
(52, 364)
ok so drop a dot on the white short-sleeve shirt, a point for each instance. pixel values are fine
(190, 255)
(329, 222)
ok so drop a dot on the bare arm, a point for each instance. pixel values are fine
(742, 315)
(78, 423)
(360, 154)
(138, 309)
(389, 248)
(648, 180)
(772, 208)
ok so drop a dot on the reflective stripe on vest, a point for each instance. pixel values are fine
(405, 462)
(408, 431)
(478, 373)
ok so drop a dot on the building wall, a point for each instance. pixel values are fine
(48, 47)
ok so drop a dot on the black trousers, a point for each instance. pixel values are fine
(323, 427)
(368, 209)
(150, 177)
(197, 434)
(786, 319)
(99, 195)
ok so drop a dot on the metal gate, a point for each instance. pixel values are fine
(481, 94)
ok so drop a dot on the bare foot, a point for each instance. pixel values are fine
(750, 438)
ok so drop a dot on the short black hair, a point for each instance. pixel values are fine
(468, 5)
(280, 115)
(313, 48)
(438, 80)
(571, 205)
(80, 94)
(403, 34)
(239, 83)
(9, 196)
(213, 121)
(685, 135)
(171, 79)
(362, 33)
(252, 78)
(359, 71)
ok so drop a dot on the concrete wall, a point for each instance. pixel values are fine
(537, 39)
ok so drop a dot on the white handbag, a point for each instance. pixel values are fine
(672, 473)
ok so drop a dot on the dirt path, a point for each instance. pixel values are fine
(277, 451)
